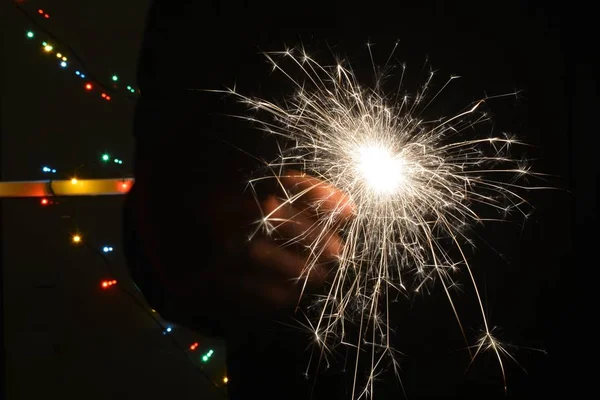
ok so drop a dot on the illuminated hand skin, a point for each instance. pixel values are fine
(264, 281)
(283, 264)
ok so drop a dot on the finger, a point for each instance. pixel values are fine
(286, 263)
(293, 224)
(314, 190)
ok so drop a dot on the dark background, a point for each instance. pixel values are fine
(72, 338)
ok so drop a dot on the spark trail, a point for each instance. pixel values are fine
(417, 187)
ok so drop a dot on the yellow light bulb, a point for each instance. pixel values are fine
(48, 48)
(76, 238)
(74, 181)
(58, 55)
(225, 380)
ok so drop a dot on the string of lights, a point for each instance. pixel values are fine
(52, 190)
(68, 59)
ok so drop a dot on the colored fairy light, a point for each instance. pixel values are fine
(207, 355)
(48, 48)
(107, 249)
(76, 238)
(48, 170)
(107, 284)
(74, 181)
(44, 202)
(194, 346)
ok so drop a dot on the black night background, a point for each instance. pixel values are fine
(67, 337)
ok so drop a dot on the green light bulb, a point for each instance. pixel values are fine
(30, 34)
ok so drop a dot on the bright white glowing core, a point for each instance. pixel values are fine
(383, 171)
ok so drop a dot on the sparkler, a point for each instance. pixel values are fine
(417, 186)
